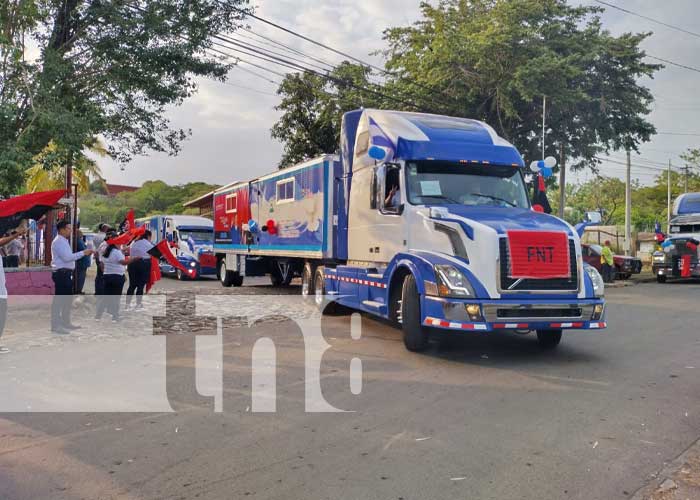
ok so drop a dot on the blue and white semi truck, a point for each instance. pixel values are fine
(191, 239)
(423, 220)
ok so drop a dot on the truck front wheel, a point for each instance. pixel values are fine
(549, 339)
(415, 335)
(661, 278)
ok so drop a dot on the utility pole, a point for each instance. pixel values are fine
(668, 199)
(685, 179)
(628, 205)
(562, 180)
(544, 116)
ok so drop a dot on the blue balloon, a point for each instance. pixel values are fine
(542, 164)
(666, 244)
(253, 226)
(377, 153)
(546, 172)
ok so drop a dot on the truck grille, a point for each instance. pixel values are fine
(508, 284)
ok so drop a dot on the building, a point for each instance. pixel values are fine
(115, 189)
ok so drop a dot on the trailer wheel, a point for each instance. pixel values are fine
(225, 277)
(326, 308)
(308, 281)
(661, 278)
(180, 275)
(415, 335)
(549, 339)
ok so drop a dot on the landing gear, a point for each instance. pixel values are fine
(281, 273)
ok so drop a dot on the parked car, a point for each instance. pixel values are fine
(625, 266)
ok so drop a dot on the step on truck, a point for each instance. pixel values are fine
(423, 220)
(191, 239)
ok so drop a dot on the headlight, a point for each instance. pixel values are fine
(193, 264)
(659, 257)
(597, 279)
(452, 283)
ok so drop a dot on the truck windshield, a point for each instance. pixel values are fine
(443, 182)
(200, 235)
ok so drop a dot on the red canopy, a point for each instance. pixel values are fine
(27, 206)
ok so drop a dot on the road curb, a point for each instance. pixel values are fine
(674, 481)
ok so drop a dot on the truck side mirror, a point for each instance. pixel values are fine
(593, 217)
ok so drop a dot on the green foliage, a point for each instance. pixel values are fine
(649, 203)
(154, 197)
(105, 69)
(312, 107)
(494, 60)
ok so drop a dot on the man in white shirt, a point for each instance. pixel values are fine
(3, 288)
(63, 264)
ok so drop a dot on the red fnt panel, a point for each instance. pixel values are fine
(539, 254)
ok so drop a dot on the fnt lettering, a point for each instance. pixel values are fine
(540, 254)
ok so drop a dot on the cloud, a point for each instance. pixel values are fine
(231, 125)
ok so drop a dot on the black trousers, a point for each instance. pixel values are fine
(3, 315)
(608, 273)
(11, 261)
(139, 273)
(80, 277)
(113, 288)
(62, 299)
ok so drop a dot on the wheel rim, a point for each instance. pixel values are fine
(222, 272)
(318, 293)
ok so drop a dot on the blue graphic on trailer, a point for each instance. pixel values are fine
(290, 210)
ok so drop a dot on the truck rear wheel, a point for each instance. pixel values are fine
(415, 335)
(549, 339)
(325, 307)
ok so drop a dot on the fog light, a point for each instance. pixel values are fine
(474, 311)
(598, 311)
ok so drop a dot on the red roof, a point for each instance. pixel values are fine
(115, 189)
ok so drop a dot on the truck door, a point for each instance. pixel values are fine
(376, 231)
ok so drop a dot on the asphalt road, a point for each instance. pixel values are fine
(476, 417)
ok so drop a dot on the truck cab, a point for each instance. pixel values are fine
(424, 220)
(191, 239)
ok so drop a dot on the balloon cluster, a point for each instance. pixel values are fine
(544, 167)
(667, 245)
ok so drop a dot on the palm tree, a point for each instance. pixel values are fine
(49, 171)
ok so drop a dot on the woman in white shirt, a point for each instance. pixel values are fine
(139, 268)
(114, 266)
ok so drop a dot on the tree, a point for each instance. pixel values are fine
(49, 171)
(602, 193)
(312, 107)
(106, 69)
(494, 60)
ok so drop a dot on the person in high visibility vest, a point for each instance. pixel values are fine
(607, 263)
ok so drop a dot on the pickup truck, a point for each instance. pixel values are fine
(625, 265)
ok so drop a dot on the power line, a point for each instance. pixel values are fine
(697, 70)
(283, 46)
(341, 53)
(695, 134)
(682, 30)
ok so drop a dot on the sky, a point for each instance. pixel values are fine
(231, 121)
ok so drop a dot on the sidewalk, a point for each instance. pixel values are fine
(680, 480)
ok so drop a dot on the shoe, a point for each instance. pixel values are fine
(4, 350)
(116, 320)
(72, 327)
(60, 331)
